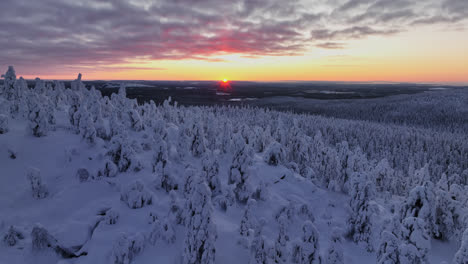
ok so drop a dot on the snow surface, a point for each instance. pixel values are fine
(103, 219)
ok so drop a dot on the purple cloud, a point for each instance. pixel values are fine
(53, 34)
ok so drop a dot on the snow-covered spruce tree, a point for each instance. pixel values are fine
(448, 214)
(74, 99)
(258, 247)
(415, 241)
(77, 85)
(8, 83)
(238, 172)
(3, 124)
(162, 229)
(109, 169)
(87, 130)
(126, 248)
(197, 146)
(39, 190)
(461, 257)
(161, 166)
(135, 195)
(122, 154)
(41, 238)
(281, 243)
(12, 236)
(135, 120)
(420, 203)
(201, 232)
(37, 116)
(334, 253)
(388, 252)
(210, 167)
(384, 176)
(226, 141)
(361, 220)
(307, 249)
(261, 192)
(274, 154)
(176, 209)
(248, 221)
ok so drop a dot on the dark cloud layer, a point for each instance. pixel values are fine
(77, 33)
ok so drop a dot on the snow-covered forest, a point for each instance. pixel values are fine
(92, 179)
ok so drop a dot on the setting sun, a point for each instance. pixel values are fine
(225, 80)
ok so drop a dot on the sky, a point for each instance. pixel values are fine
(259, 40)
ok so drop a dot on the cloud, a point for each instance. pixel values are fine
(51, 34)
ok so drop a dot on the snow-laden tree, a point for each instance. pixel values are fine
(282, 240)
(126, 248)
(210, 167)
(87, 130)
(262, 191)
(13, 236)
(3, 124)
(135, 195)
(334, 254)
(77, 85)
(201, 231)
(238, 171)
(37, 116)
(274, 154)
(361, 219)
(8, 83)
(307, 250)
(388, 249)
(109, 169)
(248, 222)
(449, 214)
(416, 242)
(176, 209)
(162, 229)
(39, 190)
(461, 257)
(384, 176)
(112, 217)
(197, 145)
(122, 154)
(259, 247)
(421, 203)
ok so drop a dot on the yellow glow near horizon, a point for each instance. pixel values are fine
(421, 55)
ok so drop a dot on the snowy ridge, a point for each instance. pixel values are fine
(92, 179)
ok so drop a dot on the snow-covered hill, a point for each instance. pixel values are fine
(92, 179)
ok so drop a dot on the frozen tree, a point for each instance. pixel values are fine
(12, 237)
(109, 170)
(420, 203)
(37, 116)
(122, 154)
(41, 238)
(3, 124)
(281, 251)
(77, 84)
(197, 146)
(201, 233)
(176, 209)
(307, 250)
(461, 257)
(161, 163)
(135, 195)
(135, 120)
(274, 154)
(335, 248)
(415, 241)
(226, 199)
(75, 103)
(8, 83)
(162, 229)
(447, 214)
(39, 190)
(82, 174)
(111, 217)
(388, 249)
(360, 222)
(210, 166)
(126, 248)
(384, 176)
(261, 193)
(87, 130)
(258, 247)
(238, 172)
(248, 221)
